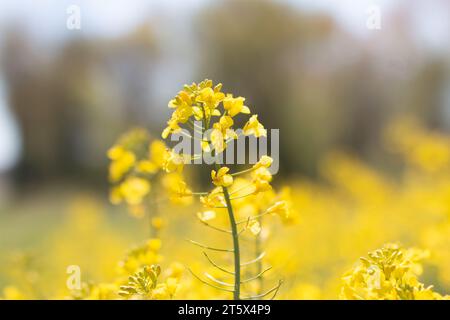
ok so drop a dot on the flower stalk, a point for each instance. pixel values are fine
(236, 251)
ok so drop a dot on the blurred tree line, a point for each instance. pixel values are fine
(301, 72)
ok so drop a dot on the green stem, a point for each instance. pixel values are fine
(237, 256)
(234, 231)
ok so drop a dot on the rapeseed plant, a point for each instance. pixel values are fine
(216, 111)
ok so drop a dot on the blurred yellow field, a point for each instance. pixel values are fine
(357, 233)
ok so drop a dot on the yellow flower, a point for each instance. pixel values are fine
(181, 100)
(210, 98)
(172, 126)
(213, 199)
(261, 179)
(265, 162)
(235, 106)
(134, 189)
(221, 177)
(173, 161)
(221, 132)
(254, 127)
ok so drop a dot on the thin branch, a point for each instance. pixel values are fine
(209, 248)
(215, 228)
(254, 260)
(243, 171)
(257, 276)
(207, 283)
(245, 227)
(210, 277)
(262, 295)
(198, 193)
(276, 291)
(216, 265)
(243, 196)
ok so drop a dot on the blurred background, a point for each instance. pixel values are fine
(314, 69)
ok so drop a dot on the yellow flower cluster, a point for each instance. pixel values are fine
(136, 258)
(137, 162)
(133, 160)
(389, 273)
(143, 284)
(201, 102)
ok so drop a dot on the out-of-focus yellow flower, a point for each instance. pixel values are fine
(157, 153)
(261, 179)
(280, 208)
(427, 150)
(115, 195)
(146, 166)
(179, 193)
(172, 285)
(221, 177)
(137, 257)
(134, 189)
(122, 162)
(173, 162)
(154, 244)
(175, 270)
(254, 127)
